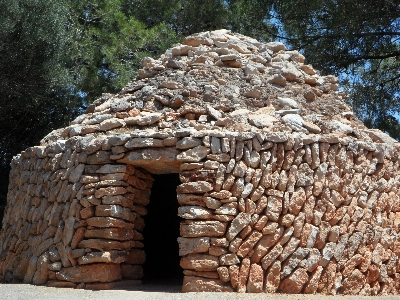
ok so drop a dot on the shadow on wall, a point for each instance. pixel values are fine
(4, 180)
(161, 233)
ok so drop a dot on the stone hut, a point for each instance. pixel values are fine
(277, 185)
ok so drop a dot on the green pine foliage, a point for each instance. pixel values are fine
(33, 79)
(108, 45)
(357, 40)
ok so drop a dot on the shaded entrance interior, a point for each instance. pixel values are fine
(161, 233)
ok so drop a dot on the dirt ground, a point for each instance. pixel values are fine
(26, 291)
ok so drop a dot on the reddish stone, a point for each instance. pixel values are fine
(202, 228)
(273, 277)
(243, 275)
(294, 283)
(246, 231)
(223, 273)
(104, 222)
(193, 245)
(297, 200)
(110, 191)
(112, 256)
(120, 234)
(198, 284)
(327, 277)
(41, 274)
(375, 288)
(204, 274)
(198, 187)
(91, 273)
(200, 262)
(266, 242)
(87, 212)
(238, 224)
(234, 275)
(256, 278)
(312, 285)
(102, 244)
(78, 237)
(373, 273)
(353, 284)
(131, 271)
(268, 259)
(351, 264)
(261, 223)
(249, 243)
(136, 257)
(116, 211)
(217, 251)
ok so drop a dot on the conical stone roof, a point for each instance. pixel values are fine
(224, 81)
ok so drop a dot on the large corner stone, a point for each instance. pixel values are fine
(102, 272)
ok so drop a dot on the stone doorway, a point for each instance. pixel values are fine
(161, 232)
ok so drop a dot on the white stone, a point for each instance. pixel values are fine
(288, 101)
(262, 120)
(213, 112)
(145, 118)
(340, 127)
(295, 122)
(194, 212)
(276, 46)
(193, 155)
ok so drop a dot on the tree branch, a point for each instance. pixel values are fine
(388, 55)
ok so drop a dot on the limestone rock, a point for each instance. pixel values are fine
(273, 278)
(116, 257)
(193, 155)
(262, 120)
(295, 282)
(282, 188)
(256, 279)
(144, 143)
(41, 274)
(276, 46)
(194, 187)
(240, 222)
(194, 212)
(288, 101)
(193, 245)
(91, 273)
(229, 259)
(199, 262)
(198, 284)
(188, 143)
(145, 118)
(120, 234)
(202, 228)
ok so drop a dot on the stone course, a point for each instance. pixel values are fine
(282, 188)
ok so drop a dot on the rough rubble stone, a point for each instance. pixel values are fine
(282, 188)
(198, 284)
(91, 273)
(193, 245)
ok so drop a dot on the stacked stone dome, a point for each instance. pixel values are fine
(224, 81)
(282, 188)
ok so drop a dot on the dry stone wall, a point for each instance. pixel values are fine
(73, 219)
(276, 214)
(282, 188)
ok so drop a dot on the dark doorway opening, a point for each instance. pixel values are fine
(161, 233)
